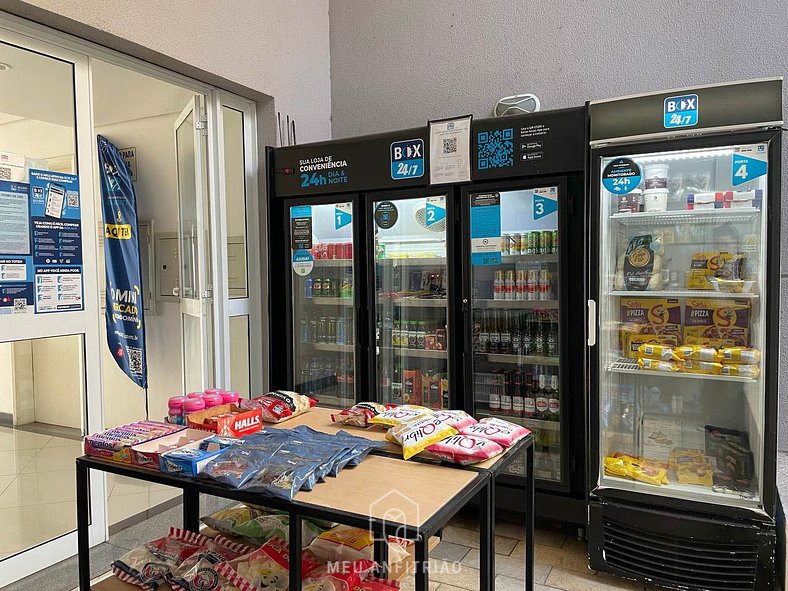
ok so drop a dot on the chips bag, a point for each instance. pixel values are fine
(634, 468)
(699, 353)
(345, 576)
(465, 449)
(659, 352)
(501, 432)
(654, 365)
(416, 435)
(264, 527)
(360, 414)
(198, 571)
(691, 466)
(456, 418)
(399, 415)
(742, 371)
(744, 355)
(225, 520)
(702, 367)
(281, 405)
(344, 543)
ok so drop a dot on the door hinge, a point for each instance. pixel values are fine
(202, 124)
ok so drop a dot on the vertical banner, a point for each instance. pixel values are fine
(124, 313)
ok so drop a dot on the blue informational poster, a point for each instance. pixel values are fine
(124, 304)
(486, 229)
(16, 260)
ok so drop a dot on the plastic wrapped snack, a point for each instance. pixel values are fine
(235, 466)
(148, 566)
(699, 353)
(399, 415)
(265, 527)
(641, 265)
(225, 520)
(377, 585)
(360, 414)
(624, 466)
(742, 355)
(465, 449)
(281, 405)
(702, 367)
(350, 544)
(282, 474)
(416, 435)
(655, 365)
(198, 571)
(691, 467)
(501, 432)
(346, 576)
(742, 371)
(659, 352)
(456, 418)
(707, 266)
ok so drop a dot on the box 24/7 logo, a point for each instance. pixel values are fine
(407, 159)
(681, 111)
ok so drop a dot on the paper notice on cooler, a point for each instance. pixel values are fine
(450, 151)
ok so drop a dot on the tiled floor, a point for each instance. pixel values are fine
(37, 490)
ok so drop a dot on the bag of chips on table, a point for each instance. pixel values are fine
(360, 414)
(148, 566)
(282, 474)
(741, 355)
(657, 351)
(225, 520)
(399, 415)
(198, 571)
(465, 449)
(264, 527)
(699, 353)
(456, 418)
(280, 405)
(655, 365)
(349, 544)
(501, 432)
(377, 585)
(235, 466)
(416, 435)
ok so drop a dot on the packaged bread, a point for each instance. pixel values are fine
(632, 342)
(702, 367)
(699, 353)
(656, 365)
(708, 265)
(742, 371)
(744, 355)
(642, 264)
(659, 352)
(717, 323)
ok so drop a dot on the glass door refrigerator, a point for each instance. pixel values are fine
(683, 335)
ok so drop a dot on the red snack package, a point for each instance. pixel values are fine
(199, 570)
(465, 449)
(377, 585)
(456, 418)
(501, 432)
(338, 576)
(148, 566)
(281, 405)
(360, 414)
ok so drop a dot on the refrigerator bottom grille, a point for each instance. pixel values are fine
(679, 562)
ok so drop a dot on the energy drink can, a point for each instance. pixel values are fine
(555, 241)
(340, 328)
(547, 242)
(534, 239)
(505, 244)
(516, 241)
(308, 287)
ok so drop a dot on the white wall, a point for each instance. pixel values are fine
(398, 64)
(281, 49)
(7, 379)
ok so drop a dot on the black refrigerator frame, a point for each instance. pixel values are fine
(681, 519)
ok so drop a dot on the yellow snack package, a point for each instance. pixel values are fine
(660, 352)
(742, 371)
(691, 467)
(699, 353)
(708, 265)
(647, 474)
(399, 415)
(615, 466)
(656, 365)
(704, 367)
(744, 355)
(632, 342)
(417, 435)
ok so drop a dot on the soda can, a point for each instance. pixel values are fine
(340, 340)
(308, 287)
(348, 250)
(555, 241)
(331, 336)
(533, 242)
(505, 244)
(516, 238)
(340, 250)
(322, 327)
(547, 242)
(331, 251)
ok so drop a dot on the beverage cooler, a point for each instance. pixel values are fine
(683, 335)
(385, 287)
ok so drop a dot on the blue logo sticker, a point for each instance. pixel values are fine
(407, 159)
(544, 205)
(621, 176)
(341, 218)
(746, 168)
(681, 111)
(434, 213)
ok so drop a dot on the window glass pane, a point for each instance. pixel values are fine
(239, 355)
(235, 190)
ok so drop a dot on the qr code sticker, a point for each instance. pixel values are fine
(20, 305)
(5, 173)
(495, 149)
(72, 199)
(450, 145)
(135, 360)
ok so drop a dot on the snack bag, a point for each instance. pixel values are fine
(281, 405)
(703, 367)
(501, 432)
(633, 341)
(377, 585)
(699, 353)
(465, 449)
(642, 264)
(264, 527)
(456, 418)
(225, 520)
(743, 371)
(399, 415)
(346, 576)
(744, 355)
(343, 543)
(648, 474)
(360, 414)
(235, 466)
(707, 265)
(691, 466)
(659, 352)
(198, 571)
(655, 365)
(717, 323)
(416, 435)
(148, 566)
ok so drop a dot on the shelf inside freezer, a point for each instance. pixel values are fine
(628, 365)
(518, 359)
(334, 263)
(406, 352)
(532, 424)
(683, 293)
(332, 301)
(415, 262)
(517, 304)
(330, 347)
(536, 258)
(691, 216)
(678, 490)
(415, 302)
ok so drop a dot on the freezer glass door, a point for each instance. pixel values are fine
(681, 320)
(410, 301)
(514, 291)
(324, 317)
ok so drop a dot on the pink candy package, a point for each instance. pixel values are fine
(501, 432)
(465, 449)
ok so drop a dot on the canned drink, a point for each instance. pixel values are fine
(516, 238)
(322, 327)
(328, 287)
(555, 241)
(331, 336)
(340, 340)
(544, 284)
(505, 244)
(533, 242)
(547, 242)
(317, 287)
(331, 251)
(340, 250)
(348, 250)
(532, 285)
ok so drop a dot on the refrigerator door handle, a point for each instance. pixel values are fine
(591, 323)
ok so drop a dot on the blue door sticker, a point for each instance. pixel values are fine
(544, 205)
(749, 162)
(342, 215)
(407, 159)
(681, 111)
(621, 176)
(435, 210)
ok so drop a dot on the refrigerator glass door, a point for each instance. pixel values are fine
(410, 301)
(514, 291)
(681, 320)
(324, 317)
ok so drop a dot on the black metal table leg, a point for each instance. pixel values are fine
(529, 519)
(422, 563)
(294, 552)
(381, 555)
(83, 526)
(191, 509)
(486, 537)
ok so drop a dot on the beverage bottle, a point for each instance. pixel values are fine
(308, 287)
(517, 336)
(396, 384)
(421, 335)
(506, 394)
(498, 286)
(506, 337)
(303, 330)
(477, 328)
(552, 340)
(317, 287)
(495, 335)
(520, 285)
(321, 330)
(396, 279)
(544, 284)
(413, 336)
(529, 398)
(527, 339)
(331, 336)
(484, 333)
(385, 384)
(340, 330)
(508, 286)
(387, 329)
(350, 334)
(542, 402)
(328, 287)
(518, 400)
(396, 334)
(539, 338)
(494, 394)
(312, 329)
(554, 401)
(531, 285)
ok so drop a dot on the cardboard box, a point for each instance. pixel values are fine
(237, 422)
(411, 387)
(115, 444)
(647, 315)
(148, 454)
(716, 322)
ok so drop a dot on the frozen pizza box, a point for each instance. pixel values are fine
(148, 454)
(115, 444)
(228, 420)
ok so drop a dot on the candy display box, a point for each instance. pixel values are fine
(148, 454)
(188, 461)
(227, 419)
(115, 444)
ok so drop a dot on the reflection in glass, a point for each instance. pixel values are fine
(239, 355)
(187, 194)
(235, 191)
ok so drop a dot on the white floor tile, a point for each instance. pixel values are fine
(62, 442)
(6, 480)
(14, 461)
(13, 439)
(50, 459)
(41, 488)
(127, 486)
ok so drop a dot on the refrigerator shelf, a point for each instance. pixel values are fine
(332, 301)
(417, 302)
(519, 359)
(424, 353)
(517, 304)
(334, 263)
(536, 258)
(532, 424)
(628, 365)
(684, 293)
(692, 216)
(692, 492)
(416, 262)
(331, 347)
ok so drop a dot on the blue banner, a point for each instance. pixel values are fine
(124, 313)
